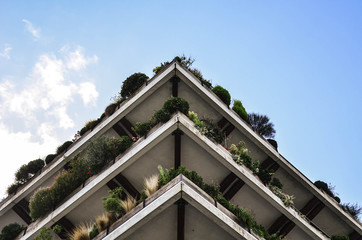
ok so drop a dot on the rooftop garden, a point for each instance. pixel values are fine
(102, 151)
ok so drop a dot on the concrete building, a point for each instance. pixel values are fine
(181, 210)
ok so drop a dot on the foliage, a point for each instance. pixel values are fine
(265, 175)
(276, 182)
(44, 234)
(327, 188)
(45, 199)
(286, 199)
(132, 84)
(50, 158)
(353, 209)
(11, 231)
(26, 171)
(110, 109)
(151, 185)
(339, 237)
(175, 104)
(170, 106)
(94, 232)
(242, 215)
(117, 146)
(142, 129)
(128, 204)
(186, 62)
(97, 155)
(223, 94)
(240, 110)
(14, 187)
(81, 232)
(40, 203)
(260, 124)
(207, 128)
(111, 203)
(63, 147)
(57, 229)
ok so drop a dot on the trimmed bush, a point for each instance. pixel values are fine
(22, 174)
(11, 231)
(64, 147)
(45, 199)
(117, 146)
(35, 166)
(97, 155)
(142, 129)
(175, 104)
(26, 171)
(110, 109)
(103, 150)
(324, 187)
(132, 84)
(112, 202)
(13, 187)
(223, 94)
(40, 203)
(240, 110)
(50, 158)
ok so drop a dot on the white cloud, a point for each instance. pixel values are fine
(49, 89)
(88, 92)
(6, 52)
(64, 120)
(76, 60)
(18, 149)
(29, 27)
(42, 107)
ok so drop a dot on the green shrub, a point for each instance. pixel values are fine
(14, 187)
(276, 182)
(26, 171)
(11, 231)
(45, 199)
(110, 109)
(22, 174)
(240, 110)
(64, 147)
(325, 187)
(160, 116)
(112, 202)
(40, 203)
(142, 129)
(223, 94)
(44, 234)
(210, 130)
(265, 175)
(50, 158)
(97, 155)
(132, 84)
(117, 146)
(175, 104)
(94, 232)
(35, 166)
(286, 199)
(339, 237)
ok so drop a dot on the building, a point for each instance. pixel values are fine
(181, 210)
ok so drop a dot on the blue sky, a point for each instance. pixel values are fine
(300, 63)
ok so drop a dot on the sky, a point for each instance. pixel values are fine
(298, 62)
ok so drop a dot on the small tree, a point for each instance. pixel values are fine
(260, 124)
